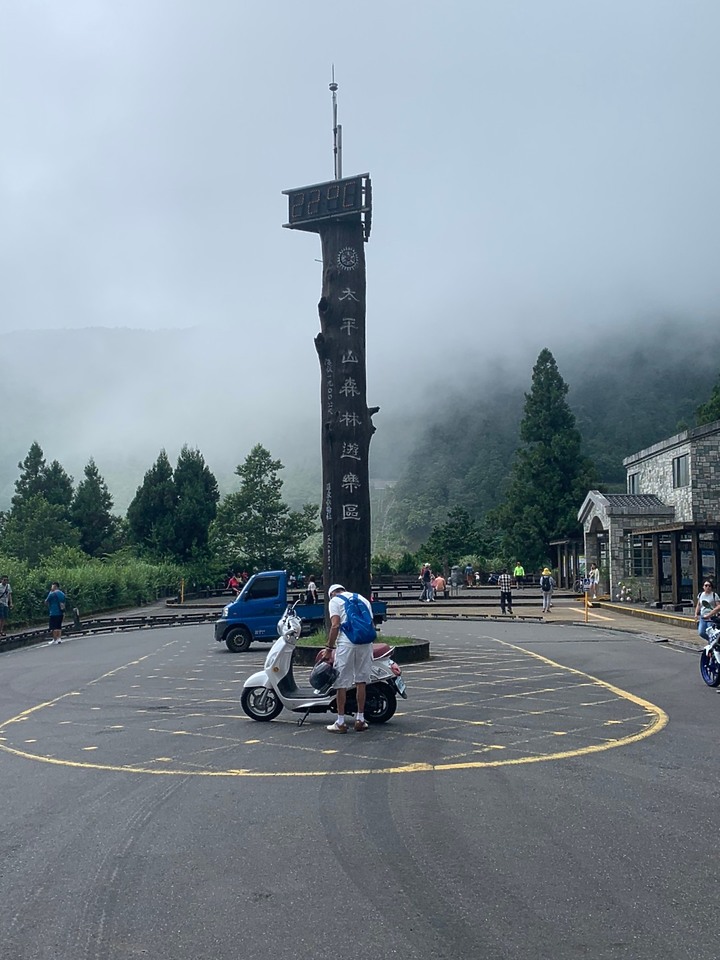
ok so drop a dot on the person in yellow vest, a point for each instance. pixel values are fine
(519, 575)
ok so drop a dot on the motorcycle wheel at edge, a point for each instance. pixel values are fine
(260, 704)
(709, 669)
(380, 703)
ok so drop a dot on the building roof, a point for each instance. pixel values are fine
(687, 436)
(624, 504)
(633, 501)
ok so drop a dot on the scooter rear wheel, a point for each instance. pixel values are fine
(260, 704)
(380, 703)
(709, 669)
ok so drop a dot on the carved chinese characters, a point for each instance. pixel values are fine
(347, 421)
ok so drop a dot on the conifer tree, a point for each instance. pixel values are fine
(90, 513)
(151, 514)
(550, 477)
(254, 527)
(38, 479)
(197, 497)
(58, 486)
(709, 411)
(32, 478)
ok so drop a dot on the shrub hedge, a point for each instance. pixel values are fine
(91, 586)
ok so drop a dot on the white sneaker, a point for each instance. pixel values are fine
(50, 642)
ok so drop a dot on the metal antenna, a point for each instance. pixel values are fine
(337, 131)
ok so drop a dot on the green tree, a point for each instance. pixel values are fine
(709, 411)
(35, 527)
(57, 486)
(32, 477)
(197, 495)
(151, 514)
(36, 477)
(549, 477)
(254, 527)
(458, 536)
(460, 461)
(90, 513)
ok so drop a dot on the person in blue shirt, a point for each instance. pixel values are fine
(55, 602)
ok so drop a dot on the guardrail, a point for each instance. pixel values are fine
(39, 635)
(98, 625)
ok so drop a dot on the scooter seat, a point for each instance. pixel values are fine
(379, 650)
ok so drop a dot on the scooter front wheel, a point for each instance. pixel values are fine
(709, 669)
(380, 703)
(260, 704)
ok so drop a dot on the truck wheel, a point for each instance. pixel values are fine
(238, 640)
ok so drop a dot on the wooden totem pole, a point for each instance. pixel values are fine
(340, 211)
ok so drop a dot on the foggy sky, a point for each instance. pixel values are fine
(539, 167)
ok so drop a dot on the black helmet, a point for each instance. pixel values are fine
(323, 676)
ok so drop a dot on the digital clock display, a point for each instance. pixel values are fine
(328, 201)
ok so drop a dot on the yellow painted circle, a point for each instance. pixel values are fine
(501, 705)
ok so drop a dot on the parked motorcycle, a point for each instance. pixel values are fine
(710, 655)
(266, 693)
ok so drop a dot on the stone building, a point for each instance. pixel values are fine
(661, 538)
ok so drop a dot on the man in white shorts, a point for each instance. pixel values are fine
(353, 661)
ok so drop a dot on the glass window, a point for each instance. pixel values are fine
(633, 483)
(263, 589)
(681, 471)
(638, 556)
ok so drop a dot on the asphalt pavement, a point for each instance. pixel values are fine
(660, 625)
(547, 790)
(481, 604)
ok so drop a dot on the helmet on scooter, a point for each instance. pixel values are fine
(323, 676)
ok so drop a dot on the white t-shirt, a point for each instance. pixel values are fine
(336, 608)
(707, 602)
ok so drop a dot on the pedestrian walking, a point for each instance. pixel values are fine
(311, 591)
(55, 602)
(426, 579)
(594, 577)
(505, 584)
(5, 603)
(547, 585)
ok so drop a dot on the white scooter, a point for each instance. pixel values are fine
(266, 693)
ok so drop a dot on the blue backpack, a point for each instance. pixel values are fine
(358, 626)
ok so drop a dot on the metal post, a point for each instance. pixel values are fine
(337, 131)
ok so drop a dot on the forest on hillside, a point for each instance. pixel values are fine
(626, 395)
(446, 437)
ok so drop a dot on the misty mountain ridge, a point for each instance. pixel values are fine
(120, 395)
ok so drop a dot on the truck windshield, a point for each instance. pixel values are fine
(262, 589)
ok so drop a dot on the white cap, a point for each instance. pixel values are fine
(334, 587)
